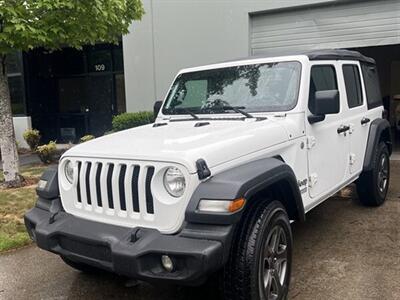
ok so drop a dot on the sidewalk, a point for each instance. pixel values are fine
(32, 158)
(26, 159)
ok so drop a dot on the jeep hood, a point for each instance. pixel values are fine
(181, 142)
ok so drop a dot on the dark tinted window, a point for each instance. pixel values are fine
(16, 87)
(66, 62)
(100, 61)
(14, 63)
(16, 82)
(323, 78)
(353, 85)
(372, 88)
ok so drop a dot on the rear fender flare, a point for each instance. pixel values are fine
(379, 129)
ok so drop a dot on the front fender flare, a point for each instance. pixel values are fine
(243, 181)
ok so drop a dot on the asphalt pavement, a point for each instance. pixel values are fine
(342, 251)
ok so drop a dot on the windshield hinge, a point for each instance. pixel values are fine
(202, 169)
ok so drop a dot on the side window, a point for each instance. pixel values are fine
(353, 85)
(323, 78)
(371, 82)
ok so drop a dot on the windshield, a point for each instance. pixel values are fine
(252, 88)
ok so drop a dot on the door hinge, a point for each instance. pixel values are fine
(310, 142)
(352, 159)
(312, 181)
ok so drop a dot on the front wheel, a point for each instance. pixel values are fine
(260, 261)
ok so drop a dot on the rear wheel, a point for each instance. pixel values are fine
(372, 186)
(260, 261)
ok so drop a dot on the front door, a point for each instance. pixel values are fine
(327, 149)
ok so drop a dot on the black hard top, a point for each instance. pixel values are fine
(338, 54)
(326, 54)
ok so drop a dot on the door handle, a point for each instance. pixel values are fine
(343, 128)
(365, 120)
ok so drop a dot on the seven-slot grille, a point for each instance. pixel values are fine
(115, 188)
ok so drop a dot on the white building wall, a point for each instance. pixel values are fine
(176, 34)
(20, 125)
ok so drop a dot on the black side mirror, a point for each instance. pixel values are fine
(157, 107)
(324, 103)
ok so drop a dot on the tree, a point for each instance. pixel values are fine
(52, 24)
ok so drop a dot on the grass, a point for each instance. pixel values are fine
(13, 205)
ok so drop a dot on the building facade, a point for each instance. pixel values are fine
(177, 34)
(69, 93)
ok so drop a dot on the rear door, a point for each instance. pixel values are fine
(356, 115)
(327, 149)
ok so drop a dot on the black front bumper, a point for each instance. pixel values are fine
(197, 251)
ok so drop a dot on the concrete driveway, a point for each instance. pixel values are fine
(343, 251)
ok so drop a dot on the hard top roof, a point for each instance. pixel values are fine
(324, 54)
(338, 54)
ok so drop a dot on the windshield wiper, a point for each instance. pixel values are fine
(239, 110)
(188, 111)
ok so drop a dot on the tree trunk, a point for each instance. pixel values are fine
(8, 146)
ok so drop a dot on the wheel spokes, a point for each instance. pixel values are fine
(383, 174)
(274, 263)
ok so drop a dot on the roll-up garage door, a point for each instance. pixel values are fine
(355, 24)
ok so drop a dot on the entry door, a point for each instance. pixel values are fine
(100, 103)
(327, 149)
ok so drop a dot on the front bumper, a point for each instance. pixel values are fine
(197, 251)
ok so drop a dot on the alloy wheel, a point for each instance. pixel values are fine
(273, 264)
(383, 173)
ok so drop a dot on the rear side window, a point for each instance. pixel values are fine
(323, 78)
(372, 88)
(353, 85)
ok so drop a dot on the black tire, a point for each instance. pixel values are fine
(372, 186)
(80, 266)
(248, 272)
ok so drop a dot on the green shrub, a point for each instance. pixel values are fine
(32, 138)
(47, 152)
(86, 138)
(130, 120)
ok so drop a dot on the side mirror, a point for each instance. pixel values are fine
(324, 103)
(157, 107)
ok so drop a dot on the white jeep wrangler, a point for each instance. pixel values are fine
(238, 151)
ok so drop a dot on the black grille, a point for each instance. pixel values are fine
(149, 195)
(95, 186)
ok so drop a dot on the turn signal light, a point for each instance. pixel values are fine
(222, 206)
(237, 205)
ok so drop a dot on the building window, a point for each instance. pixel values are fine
(16, 83)
(99, 61)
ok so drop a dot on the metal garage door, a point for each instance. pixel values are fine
(359, 24)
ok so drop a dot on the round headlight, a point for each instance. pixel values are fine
(174, 182)
(69, 171)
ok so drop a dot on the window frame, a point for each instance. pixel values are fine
(164, 110)
(359, 82)
(20, 74)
